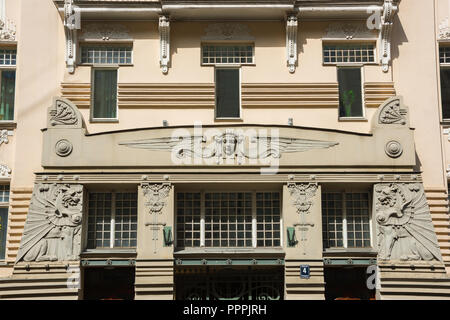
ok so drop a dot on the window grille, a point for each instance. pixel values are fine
(4, 193)
(227, 54)
(8, 57)
(349, 53)
(106, 55)
(346, 220)
(112, 220)
(229, 219)
(444, 54)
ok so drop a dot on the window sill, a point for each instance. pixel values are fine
(229, 119)
(8, 124)
(353, 119)
(104, 120)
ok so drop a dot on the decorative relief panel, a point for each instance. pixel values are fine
(349, 31)
(105, 32)
(229, 145)
(5, 171)
(404, 226)
(4, 134)
(393, 113)
(444, 30)
(302, 196)
(63, 113)
(227, 31)
(53, 228)
(156, 196)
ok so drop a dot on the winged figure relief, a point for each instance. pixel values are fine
(405, 228)
(53, 226)
(229, 145)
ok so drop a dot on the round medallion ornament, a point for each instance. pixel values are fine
(63, 148)
(394, 149)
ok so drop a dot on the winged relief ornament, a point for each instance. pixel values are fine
(52, 231)
(228, 145)
(405, 228)
(156, 195)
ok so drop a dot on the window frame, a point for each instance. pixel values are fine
(363, 98)
(6, 205)
(326, 42)
(224, 43)
(10, 68)
(254, 222)
(111, 247)
(443, 65)
(344, 221)
(108, 44)
(100, 67)
(228, 66)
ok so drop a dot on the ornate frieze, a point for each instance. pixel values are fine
(53, 227)
(72, 23)
(156, 196)
(404, 227)
(164, 43)
(227, 31)
(291, 42)
(231, 144)
(104, 32)
(5, 171)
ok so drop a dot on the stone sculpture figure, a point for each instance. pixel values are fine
(405, 229)
(53, 228)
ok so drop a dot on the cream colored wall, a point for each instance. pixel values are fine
(270, 53)
(39, 72)
(415, 76)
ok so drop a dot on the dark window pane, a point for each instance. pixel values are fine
(445, 92)
(350, 92)
(3, 230)
(105, 94)
(227, 93)
(7, 95)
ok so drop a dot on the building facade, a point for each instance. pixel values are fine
(163, 149)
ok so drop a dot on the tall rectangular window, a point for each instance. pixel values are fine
(7, 83)
(4, 203)
(112, 220)
(350, 92)
(346, 220)
(228, 219)
(228, 93)
(444, 59)
(104, 94)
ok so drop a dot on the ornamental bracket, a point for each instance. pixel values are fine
(164, 43)
(72, 23)
(386, 23)
(291, 42)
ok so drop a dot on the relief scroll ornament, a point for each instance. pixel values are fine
(53, 228)
(404, 226)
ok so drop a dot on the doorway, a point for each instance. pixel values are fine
(107, 283)
(347, 283)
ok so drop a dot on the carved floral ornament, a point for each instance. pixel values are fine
(5, 171)
(393, 113)
(227, 31)
(404, 227)
(444, 30)
(156, 196)
(63, 113)
(105, 32)
(52, 230)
